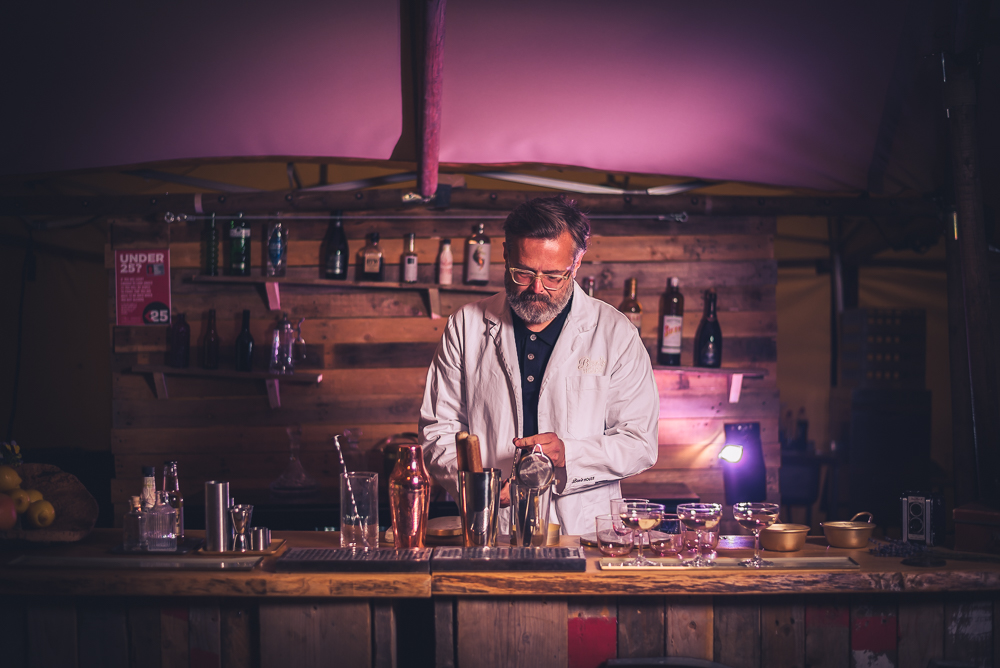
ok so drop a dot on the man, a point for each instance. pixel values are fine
(544, 364)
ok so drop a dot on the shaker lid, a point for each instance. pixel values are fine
(535, 469)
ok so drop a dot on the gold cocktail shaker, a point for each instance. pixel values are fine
(409, 497)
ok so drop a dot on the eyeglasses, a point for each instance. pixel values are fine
(527, 277)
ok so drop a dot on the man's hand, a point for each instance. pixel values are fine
(505, 495)
(552, 446)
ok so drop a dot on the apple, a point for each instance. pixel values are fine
(41, 514)
(8, 513)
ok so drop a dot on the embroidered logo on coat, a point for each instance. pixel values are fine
(588, 365)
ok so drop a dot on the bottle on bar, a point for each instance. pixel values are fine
(408, 261)
(371, 266)
(239, 246)
(244, 345)
(134, 526)
(211, 247)
(148, 494)
(630, 306)
(210, 350)
(668, 336)
(477, 256)
(172, 492)
(708, 339)
(161, 535)
(335, 250)
(446, 263)
(180, 343)
(277, 248)
(588, 285)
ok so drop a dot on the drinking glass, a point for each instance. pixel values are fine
(700, 517)
(756, 517)
(613, 538)
(640, 517)
(359, 510)
(666, 539)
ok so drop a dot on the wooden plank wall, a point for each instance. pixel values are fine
(374, 346)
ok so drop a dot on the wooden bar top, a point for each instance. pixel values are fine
(876, 574)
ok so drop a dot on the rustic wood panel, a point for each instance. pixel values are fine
(444, 632)
(310, 635)
(705, 482)
(175, 634)
(144, 635)
(642, 627)
(51, 633)
(783, 633)
(704, 456)
(383, 634)
(921, 632)
(238, 634)
(205, 641)
(14, 631)
(103, 634)
(592, 632)
(968, 625)
(690, 627)
(485, 627)
(873, 632)
(736, 629)
(828, 633)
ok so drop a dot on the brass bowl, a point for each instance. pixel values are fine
(784, 537)
(850, 535)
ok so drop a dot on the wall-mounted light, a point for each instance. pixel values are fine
(731, 453)
(743, 472)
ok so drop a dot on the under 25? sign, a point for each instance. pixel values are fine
(142, 286)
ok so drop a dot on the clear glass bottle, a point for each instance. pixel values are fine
(162, 526)
(283, 347)
(172, 490)
(630, 306)
(371, 266)
(668, 338)
(446, 263)
(134, 527)
(210, 351)
(148, 494)
(277, 248)
(408, 261)
(477, 256)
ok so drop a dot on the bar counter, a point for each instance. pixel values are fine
(262, 617)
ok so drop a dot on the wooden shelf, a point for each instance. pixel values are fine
(736, 376)
(432, 291)
(271, 380)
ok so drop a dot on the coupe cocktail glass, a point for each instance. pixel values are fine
(699, 517)
(756, 517)
(640, 517)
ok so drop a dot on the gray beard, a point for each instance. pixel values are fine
(535, 309)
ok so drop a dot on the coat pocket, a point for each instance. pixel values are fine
(587, 398)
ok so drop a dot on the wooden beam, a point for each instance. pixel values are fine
(430, 96)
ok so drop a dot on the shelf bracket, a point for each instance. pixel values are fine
(735, 387)
(160, 385)
(273, 392)
(273, 295)
(434, 303)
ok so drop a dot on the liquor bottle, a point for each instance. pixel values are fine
(588, 285)
(299, 347)
(161, 535)
(172, 492)
(282, 358)
(244, 345)
(335, 251)
(668, 343)
(371, 266)
(211, 247)
(239, 246)
(180, 343)
(277, 248)
(446, 263)
(477, 256)
(210, 351)
(134, 527)
(408, 261)
(708, 339)
(409, 497)
(148, 494)
(630, 306)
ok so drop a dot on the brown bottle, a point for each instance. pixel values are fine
(708, 338)
(409, 497)
(210, 356)
(630, 306)
(668, 336)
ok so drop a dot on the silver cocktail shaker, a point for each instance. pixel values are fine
(216, 516)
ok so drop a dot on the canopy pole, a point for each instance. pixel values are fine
(430, 97)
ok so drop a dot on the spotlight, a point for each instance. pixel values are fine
(731, 453)
(743, 472)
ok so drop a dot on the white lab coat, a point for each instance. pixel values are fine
(598, 395)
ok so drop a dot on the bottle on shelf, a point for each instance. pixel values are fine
(277, 248)
(299, 347)
(244, 345)
(445, 263)
(371, 265)
(180, 343)
(134, 526)
(630, 306)
(408, 261)
(211, 247)
(239, 246)
(148, 494)
(210, 351)
(477, 256)
(708, 338)
(282, 359)
(668, 336)
(335, 251)
(588, 285)
(161, 534)
(172, 492)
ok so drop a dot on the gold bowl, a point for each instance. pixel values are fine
(784, 537)
(850, 535)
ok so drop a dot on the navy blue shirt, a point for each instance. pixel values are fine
(533, 352)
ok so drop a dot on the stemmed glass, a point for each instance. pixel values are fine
(756, 517)
(640, 517)
(699, 517)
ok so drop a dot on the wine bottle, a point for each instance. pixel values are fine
(630, 306)
(210, 351)
(277, 248)
(172, 491)
(708, 339)
(244, 345)
(477, 256)
(180, 342)
(371, 266)
(446, 263)
(408, 261)
(335, 251)
(211, 248)
(668, 344)
(239, 246)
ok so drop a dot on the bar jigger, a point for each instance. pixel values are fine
(241, 514)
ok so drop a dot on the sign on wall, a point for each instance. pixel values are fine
(142, 286)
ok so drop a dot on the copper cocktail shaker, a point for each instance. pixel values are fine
(409, 497)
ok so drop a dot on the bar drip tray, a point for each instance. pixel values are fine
(509, 559)
(350, 560)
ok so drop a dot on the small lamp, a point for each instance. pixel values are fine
(743, 472)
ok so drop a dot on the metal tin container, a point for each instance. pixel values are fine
(784, 537)
(850, 535)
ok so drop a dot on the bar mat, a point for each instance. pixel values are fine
(138, 562)
(728, 563)
(509, 559)
(276, 546)
(351, 560)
